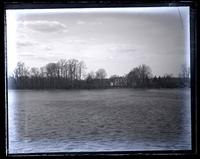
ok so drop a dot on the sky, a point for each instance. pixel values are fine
(116, 39)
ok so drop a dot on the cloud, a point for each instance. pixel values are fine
(80, 22)
(96, 23)
(75, 41)
(45, 26)
(122, 49)
(26, 43)
(27, 55)
(21, 44)
(46, 48)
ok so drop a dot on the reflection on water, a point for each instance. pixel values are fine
(99, 120)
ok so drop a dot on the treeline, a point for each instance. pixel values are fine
(142, 77)
(64, 74)
(71, 74)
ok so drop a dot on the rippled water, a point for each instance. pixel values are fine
(99, 120)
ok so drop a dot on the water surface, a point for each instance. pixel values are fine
(99, 120)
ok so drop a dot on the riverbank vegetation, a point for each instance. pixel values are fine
(71, 74)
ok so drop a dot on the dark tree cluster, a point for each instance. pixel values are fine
(97, 80)
(139, 77)
(71, 74)
(64, 74)
(142, 77)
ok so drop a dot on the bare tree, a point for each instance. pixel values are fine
(35, 72)
(185, 71)
(62, 68)
(91, 74)
(21, 75)
(101, 73)
(139, 76)
(72, 64)
(52, 70)
(21, 70)
(185, 75)
(100, 76)
(43, 72)
(81, 69)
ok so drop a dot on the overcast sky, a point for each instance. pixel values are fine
(116, 39)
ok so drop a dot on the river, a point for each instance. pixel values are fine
(98, 120)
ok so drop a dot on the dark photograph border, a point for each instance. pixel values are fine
(104, 4)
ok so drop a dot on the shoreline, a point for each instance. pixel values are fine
(74, 89)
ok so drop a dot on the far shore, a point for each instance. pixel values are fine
(74, 89)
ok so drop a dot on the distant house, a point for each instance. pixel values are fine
(118, 81)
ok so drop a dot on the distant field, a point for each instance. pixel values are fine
(99, 120)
